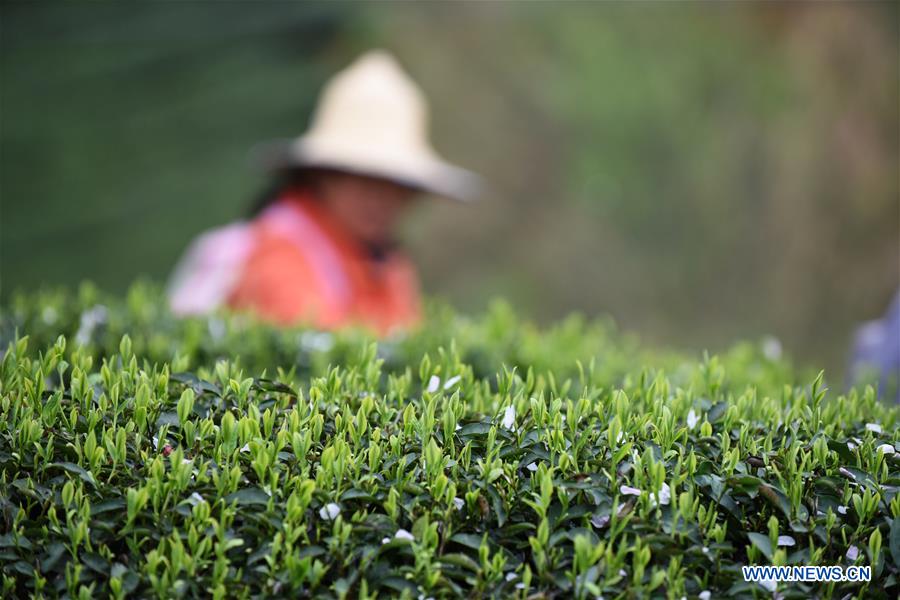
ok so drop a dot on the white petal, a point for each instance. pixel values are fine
(385, 540)
(704, 595)
(665, 494)
(433, 384)
(403, 534)
(600, 521)
(509, 417)
(629, 491)
(520, 586)
(330, 511)
(245, 447)
(842, 509)
(886, 449)
(89, 321)
(622, 573)
(531, 467)
(451, 382)
(852, 553)
(49, 315)
(195, 498)
(874, 427)
(316, 341)
(459, 503)
(768, 584)
(510, 576)
(692, 419)
(786, 540)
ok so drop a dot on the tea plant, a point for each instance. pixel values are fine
(142, 456)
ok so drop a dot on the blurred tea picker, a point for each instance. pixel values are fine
(319, 248)
(876, 353)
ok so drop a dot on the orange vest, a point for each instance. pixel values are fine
(305, 268)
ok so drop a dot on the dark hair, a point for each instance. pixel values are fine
(299, 177)
(280, 182)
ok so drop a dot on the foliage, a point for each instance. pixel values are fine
(702, 175)
(145, 456)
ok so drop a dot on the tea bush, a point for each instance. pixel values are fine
(145, 456)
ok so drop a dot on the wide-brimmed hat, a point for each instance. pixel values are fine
(372, 119)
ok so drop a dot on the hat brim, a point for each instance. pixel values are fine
(428, 175)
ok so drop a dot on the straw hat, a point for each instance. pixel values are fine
(372, 119)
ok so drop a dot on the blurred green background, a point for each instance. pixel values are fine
(700, 172)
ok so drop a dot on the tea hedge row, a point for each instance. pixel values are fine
(154, 465)
(487, 343)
